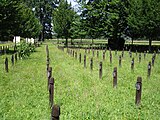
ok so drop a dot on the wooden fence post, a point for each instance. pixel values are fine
(138, 90)
(132, 64)
(149, 69)
(100, 70)
(91, 64)
(55, 114)
(6, 64)
(51, 91)
(120, 59)
(115, 77)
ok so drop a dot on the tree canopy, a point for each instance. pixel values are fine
(62, 19)
(17, 19)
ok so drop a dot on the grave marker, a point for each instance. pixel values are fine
(97, 54)
(51, 91)
(80, 57)
(49, 75)
(153, 61)
(149, 69)
(138, 90)
(55, 114)
(132, 64)
(115, 77)
(84, 61)
(100, 70)
(120, 59)
(139, 57)
(91, 64)
(110, 57)
(103, 55)
(12, 59)
(144, 54)
(6, 64)
(16, 57)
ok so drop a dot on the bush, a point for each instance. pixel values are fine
(25, 49)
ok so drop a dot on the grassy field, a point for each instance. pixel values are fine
(104, 41)
(79, 92)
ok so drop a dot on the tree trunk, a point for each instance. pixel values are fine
(150, 44)
(92, 40)
(66, 44)
(132, 41)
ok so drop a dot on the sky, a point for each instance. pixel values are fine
(72, 2)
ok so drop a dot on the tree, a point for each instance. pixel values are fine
(17, 19)
(92, 18)
(116, 16)
(62, 19)
(144, 19)
(43, 10)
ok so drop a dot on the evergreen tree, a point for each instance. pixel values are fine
(62, 19)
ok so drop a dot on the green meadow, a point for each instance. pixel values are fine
(78, 90)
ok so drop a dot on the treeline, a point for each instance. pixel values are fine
(114, 19)
(109, 19)
(16, 19)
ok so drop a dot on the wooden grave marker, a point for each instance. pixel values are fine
(6, 64)
(100, 70)
(138, 90)
(55, 114)
(115, 77)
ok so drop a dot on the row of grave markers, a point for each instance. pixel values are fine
(55, 109)
(139, 79)
(13, 59)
